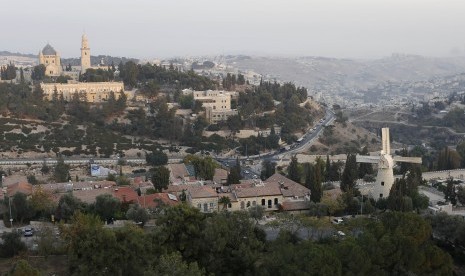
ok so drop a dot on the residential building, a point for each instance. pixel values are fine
(217, 104)
(205, 198)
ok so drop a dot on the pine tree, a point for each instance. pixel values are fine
(293, 170)
(313, 182)
(349, 175)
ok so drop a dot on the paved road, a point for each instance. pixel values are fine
(251, 166)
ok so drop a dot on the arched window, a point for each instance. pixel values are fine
(269, 203)
(248, 204)
(263, 202)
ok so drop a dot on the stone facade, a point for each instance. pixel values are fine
(51, 60)
(93, 92)
(217, 104)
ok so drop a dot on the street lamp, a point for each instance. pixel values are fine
(11, 219)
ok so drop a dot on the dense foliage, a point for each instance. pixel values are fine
(232, 244)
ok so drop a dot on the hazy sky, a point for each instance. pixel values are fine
(164, 28)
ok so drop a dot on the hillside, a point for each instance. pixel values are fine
(337, 75)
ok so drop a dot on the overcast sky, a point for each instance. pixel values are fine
(166, 28)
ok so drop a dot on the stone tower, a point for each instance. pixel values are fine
(385, 177)
(85, 54)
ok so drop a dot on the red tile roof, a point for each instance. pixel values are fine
(153, 200)
(125, 194)
(19, 187)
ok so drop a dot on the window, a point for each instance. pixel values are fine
(205, 207)
(254, 203)
(380, 195)
(275, 201)
(248, 204)
(200, 206)
(263, 202)
(269, 203)
(229, 205)
(242, 205)
(382, 183)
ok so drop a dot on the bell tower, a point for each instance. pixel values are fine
(85, 54)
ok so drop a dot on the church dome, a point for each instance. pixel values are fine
(48, 50)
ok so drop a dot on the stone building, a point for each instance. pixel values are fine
(93, 92)
(217, 104)
(51, 60)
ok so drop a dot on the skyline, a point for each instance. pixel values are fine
(160, 29)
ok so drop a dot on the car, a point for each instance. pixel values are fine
(28, 232)
(337, 220)
(341, 234)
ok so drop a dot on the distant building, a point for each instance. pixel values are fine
(92, 92)
(50, 58)
(217, 104)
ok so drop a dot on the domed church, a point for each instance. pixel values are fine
(51, 59)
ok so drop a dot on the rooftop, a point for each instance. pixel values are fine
(289, 188)
(48, 50)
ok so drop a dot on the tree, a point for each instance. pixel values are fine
(137, 214)
(293, 170)
(180, 228)
(156, 158)
(21, 208)
(448, 159)
(449, 192)
(231, 244)
(11, 245)
(268, 169)
(173, 264)
(256, 212)
(225, 201)
(461, 195)
(106, 206)
(204, 166)
(38, 72)
(314, 183)
(23, 268)
(92, 249)
(349, 175)
(42, 203)
(61, 172)
(234, 175)
(160, 178)
(67, 206)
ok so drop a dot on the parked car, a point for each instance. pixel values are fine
(337, 220)
(28, 232)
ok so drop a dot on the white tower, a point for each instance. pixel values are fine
(385, 177)
(85, 54)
